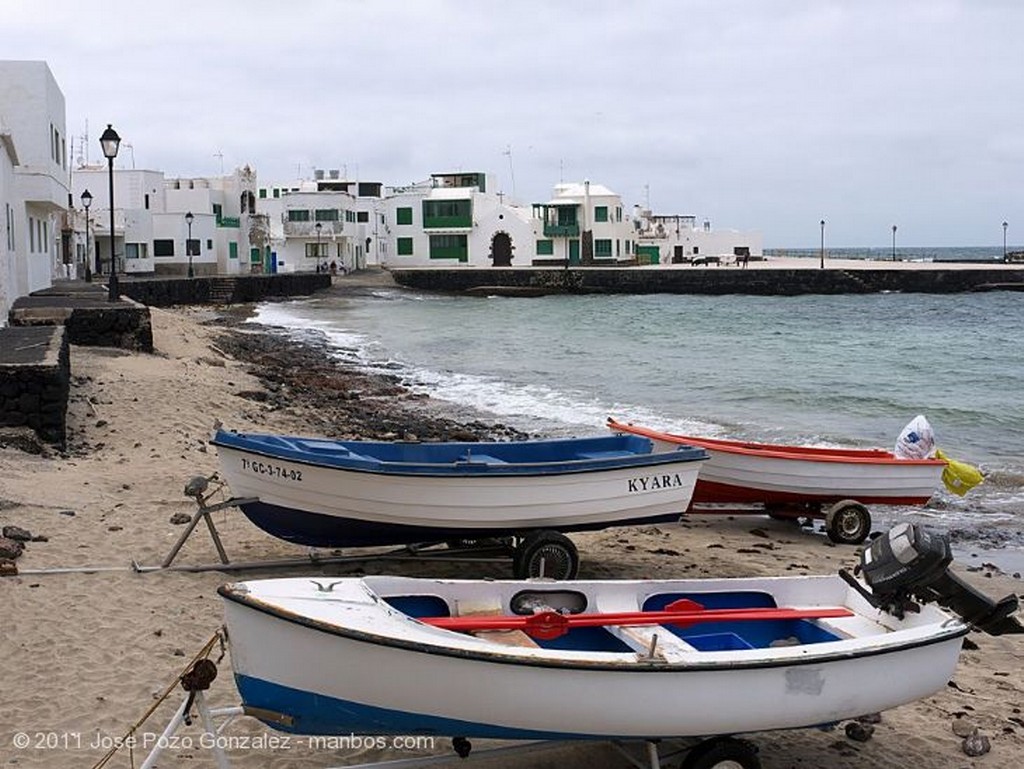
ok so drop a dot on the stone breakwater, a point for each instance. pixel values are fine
(775, 281)
(35, 374)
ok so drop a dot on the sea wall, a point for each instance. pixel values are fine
(709, 280)
(166, 292)
(88, 321)
(35, 379)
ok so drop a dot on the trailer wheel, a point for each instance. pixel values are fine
(723, 753)
(546, 554)
(848, 522)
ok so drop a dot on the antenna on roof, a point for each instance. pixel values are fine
(511, 170)
(220, 155)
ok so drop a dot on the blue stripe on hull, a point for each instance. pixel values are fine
(318, 714)
(317, 530)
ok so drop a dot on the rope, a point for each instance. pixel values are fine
(202, 654)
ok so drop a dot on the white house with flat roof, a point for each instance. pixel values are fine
(10, 265)
(35, 206)
(583, 224)
(324, 223)
(678, 239)
(452, 220)
(151, 229)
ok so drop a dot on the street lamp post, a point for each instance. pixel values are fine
(188, 243)
(1005, 225)
(86, 202)
(110, 141)
(823, 244)
(318, 226)
(894, 242)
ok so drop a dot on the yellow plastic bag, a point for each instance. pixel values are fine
(959, 477)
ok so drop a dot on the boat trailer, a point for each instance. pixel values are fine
(847, 522)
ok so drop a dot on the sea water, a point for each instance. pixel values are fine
(847, 370)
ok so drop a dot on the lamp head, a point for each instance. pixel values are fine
(318, 226)
(189, 217)
(86, 199)
(110, 142)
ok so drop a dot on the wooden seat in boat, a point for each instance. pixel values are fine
(484, 608)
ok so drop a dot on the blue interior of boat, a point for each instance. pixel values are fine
(419, 605)
(755, 634)
(456, 457)
(585, 639)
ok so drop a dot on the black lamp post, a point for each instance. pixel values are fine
(86, 202)
(894, 242)
(318, 226)
(110, 141)
(1005, 225)
(188, 243)
(822, 244)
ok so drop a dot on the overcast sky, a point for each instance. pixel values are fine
(755, 114)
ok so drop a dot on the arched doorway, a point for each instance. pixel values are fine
(501, 250)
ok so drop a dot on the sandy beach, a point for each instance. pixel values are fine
(85, 654)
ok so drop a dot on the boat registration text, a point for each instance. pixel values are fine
(275, 471)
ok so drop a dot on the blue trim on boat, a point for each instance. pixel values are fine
(538, 457)
(318, 714)
(318, 530)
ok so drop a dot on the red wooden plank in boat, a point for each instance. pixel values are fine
(547, 625)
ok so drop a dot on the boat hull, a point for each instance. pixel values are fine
(758, 473)
(352, 683)
(321, 505)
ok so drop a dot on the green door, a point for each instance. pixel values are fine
(574, 252)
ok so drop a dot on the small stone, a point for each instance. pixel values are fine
(10, 549)
(963, 728)
(976, 745)
(859, 732)
(115, 528)
(17, 533)
(179, 518)
(40, 538)
(870, 718)
(179, 652)
(101, 423)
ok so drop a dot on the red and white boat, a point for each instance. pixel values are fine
(801, 481)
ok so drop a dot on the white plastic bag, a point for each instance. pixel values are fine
(917, 441)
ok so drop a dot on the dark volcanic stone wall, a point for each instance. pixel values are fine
(166, 292)
(35, 379)
(714, 280)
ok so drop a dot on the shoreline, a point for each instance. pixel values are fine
(88, 651)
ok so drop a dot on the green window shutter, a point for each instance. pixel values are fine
(601, 213)
(277, 192)
(403, 216)
(602, 248)
(449, 247)
(232, 250)
(545, 248)
(263, 193)
(405, 245)
(298, 215)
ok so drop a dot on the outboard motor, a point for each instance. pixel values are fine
(909, 562)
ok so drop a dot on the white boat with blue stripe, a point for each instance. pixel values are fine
(330, 493)
(575, 660)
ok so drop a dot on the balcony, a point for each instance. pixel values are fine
(308, 229)
(561, 230)
(447, 222)
(229, 221)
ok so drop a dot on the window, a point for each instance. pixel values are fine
(263, 193)
(618, 213)
(629, 247)
(163, 248)
(449, 247)
(403, 216)
(32, 234)
(311, 250)
(405, 244)
(209, 244)
(618, 247)
(192, 247)
(602, 248)
(350, 216)
(363, 216)
(218, 210)
(600, 213)
(545, 248)
(277, 192)
(298, 215)
(232, 250)
(145, 202)
(447, 213)
(326, 214)
(136, 250)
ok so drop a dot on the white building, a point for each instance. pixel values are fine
(583, 224)
(452, 220)
(33, 179)
(676, 239)
(151, 228)
(319, 224)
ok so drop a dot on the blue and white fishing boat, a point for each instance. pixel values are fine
(330, 493)
(602, 659)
